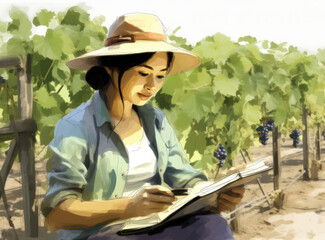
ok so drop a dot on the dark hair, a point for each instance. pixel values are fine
(99, 79)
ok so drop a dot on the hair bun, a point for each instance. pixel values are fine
(97, 77)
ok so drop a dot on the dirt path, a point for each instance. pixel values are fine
(302, 217)
(303, 214)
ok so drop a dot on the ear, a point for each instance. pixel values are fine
(108, 70)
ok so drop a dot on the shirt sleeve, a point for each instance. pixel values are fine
(67, 176)
(179, 172)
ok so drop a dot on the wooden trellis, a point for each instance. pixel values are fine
(22, 134)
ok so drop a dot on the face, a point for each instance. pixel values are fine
(142, 82)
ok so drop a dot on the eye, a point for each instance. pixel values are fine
(143, 74)
(161, 77)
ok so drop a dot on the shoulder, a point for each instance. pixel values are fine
(76, 122)
(158, 114)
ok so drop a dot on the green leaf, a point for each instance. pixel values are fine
(252, 114)
(61, 72)
(224, 48)
(16, 46)
(21, 25)
(220, 121)
(248, 39)
(293, 58)
(43, 17)
(53, 44)
(164, 101)
(44, 99)
(195, 142)
(254, 52)
(247, 64)
(47, 134)
(280, 115)
(225, 85)
(50, 120)
(49, 46)
(173, 82)
(76, 16)
(260, 82)
(272, 101)
(182, 121)
(197, 78)
(295, 97)
(280, 79)
(198, 103)
(77, 84)
(265, 44)
(240, 64)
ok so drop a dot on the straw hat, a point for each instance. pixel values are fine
(137, 33)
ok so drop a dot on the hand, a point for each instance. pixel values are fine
(151, 199)
(228, 200)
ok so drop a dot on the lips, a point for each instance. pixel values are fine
(145, 95)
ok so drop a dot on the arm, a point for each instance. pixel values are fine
(180, 173)
(76, 214)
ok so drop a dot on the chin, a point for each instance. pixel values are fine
(141, 103)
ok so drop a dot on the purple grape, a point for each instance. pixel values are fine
(221, 155)
(2, 80)
(295, 136)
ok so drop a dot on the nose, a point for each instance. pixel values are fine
(152, 82)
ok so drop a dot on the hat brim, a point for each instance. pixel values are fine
(183, 60)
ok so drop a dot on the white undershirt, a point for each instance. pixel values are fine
(142, 166)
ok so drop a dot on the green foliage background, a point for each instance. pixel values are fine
(238, 86)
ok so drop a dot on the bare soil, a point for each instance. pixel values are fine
(301, 217)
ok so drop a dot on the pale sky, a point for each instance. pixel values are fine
(298, 22)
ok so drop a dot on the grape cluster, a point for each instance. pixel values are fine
(323, 134)
(295, 136)
(221, 154)
(264, 130)
(2, 80)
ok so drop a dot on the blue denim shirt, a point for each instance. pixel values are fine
(89, 160)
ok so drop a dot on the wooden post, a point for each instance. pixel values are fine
(317, 143)
(276, 136)
(235, 223)
(276, 158)
(305, 139)
(26, 144)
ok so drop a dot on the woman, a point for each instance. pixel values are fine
(109, 149)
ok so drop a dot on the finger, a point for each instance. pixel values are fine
(158, 198)
(239, 190)
(159, 190)
(225, 205)
(230, 198)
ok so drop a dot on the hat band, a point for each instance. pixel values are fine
(134, 37)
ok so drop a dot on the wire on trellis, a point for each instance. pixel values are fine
(260, 200)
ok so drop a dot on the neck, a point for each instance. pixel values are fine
(115, 106)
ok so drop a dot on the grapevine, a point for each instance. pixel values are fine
(224, 97)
